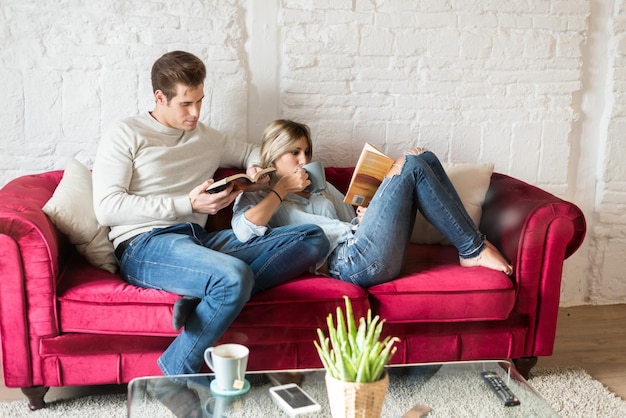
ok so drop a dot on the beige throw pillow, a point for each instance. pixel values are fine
(71, 209)
(471, 182)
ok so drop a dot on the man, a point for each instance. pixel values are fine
(150, 176)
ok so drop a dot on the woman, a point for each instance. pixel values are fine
(367, 249)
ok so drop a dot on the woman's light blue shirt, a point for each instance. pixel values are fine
(326, 210)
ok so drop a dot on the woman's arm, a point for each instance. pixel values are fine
(296, 212)
(243, 229)
(261, 213)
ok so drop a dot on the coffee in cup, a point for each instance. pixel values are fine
(229, 363)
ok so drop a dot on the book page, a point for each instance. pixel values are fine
(240, 181)
(261, 173)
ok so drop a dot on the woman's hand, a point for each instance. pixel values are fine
(360, 213)
(262, 212)
(292, 183)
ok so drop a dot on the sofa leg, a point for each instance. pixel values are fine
(35, 396)
(524, 364)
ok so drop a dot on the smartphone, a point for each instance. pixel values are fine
(293, 400)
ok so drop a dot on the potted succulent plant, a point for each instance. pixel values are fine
(355, 359)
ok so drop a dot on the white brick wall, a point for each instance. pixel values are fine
(535, 86)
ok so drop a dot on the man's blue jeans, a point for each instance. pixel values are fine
(220, 270)
(375, 254)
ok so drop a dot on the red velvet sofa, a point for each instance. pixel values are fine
(64, 322)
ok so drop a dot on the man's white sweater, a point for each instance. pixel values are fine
(144, 171)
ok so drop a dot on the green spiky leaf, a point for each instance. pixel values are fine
(351, 353)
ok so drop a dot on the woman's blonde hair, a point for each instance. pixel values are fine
(279, 137)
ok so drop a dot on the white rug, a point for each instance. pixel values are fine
(571, 392)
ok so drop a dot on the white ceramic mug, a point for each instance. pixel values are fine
(317, 176)
(229, 363)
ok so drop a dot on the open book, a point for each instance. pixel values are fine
(240, 181)
(370, 170)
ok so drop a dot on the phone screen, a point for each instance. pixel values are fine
(295, 397)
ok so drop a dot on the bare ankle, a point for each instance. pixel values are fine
(490, 258)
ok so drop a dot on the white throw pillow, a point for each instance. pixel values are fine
(471, 182)
(71, 209)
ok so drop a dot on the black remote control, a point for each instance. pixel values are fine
(500, 388)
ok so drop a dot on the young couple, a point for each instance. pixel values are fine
(149, 180)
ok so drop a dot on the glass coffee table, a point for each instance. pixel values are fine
(435, 390)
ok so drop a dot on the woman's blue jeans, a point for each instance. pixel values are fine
(375, 254)
(220, 270)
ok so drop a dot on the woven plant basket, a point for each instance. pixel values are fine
(356, 400)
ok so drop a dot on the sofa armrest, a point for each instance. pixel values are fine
(536, 231)
(29, 270)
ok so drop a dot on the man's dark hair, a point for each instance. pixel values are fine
(177, 67)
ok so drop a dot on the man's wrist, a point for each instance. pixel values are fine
(183, 205)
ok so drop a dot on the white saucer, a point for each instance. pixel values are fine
(233, 392)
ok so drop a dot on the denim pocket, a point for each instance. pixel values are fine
(375, 273)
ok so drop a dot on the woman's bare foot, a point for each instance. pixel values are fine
(489, 257)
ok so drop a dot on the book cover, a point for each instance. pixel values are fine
(370, 170)
(240, 181)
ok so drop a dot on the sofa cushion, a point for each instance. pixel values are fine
(438, 289)
(71, 210)
(471, 182)
(94, 301)
(434, 287)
